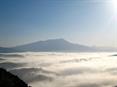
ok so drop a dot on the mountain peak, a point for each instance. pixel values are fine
(59, 39)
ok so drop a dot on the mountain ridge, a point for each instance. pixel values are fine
(53, 45)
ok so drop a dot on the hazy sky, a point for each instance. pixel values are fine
(89, 22)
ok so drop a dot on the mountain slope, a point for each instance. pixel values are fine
(53, 45)
(7, 50)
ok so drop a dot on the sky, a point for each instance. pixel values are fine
(87, 22)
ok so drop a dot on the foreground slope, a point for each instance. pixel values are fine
(9, 80)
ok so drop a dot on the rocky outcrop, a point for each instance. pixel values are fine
(9, 80)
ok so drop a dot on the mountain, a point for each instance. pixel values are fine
(8, 50)
(54, 45)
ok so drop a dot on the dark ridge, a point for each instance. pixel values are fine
(114, 55)
(9, 80)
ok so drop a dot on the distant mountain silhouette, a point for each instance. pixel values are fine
(5, 49)
(52, 45)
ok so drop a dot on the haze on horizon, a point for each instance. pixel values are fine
(88, 22)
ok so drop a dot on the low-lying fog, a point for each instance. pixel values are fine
(51, 69)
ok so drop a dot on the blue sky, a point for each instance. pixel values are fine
(88, 22)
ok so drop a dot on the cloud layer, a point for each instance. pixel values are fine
(63, 69)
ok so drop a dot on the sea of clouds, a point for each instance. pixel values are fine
(51, 69)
